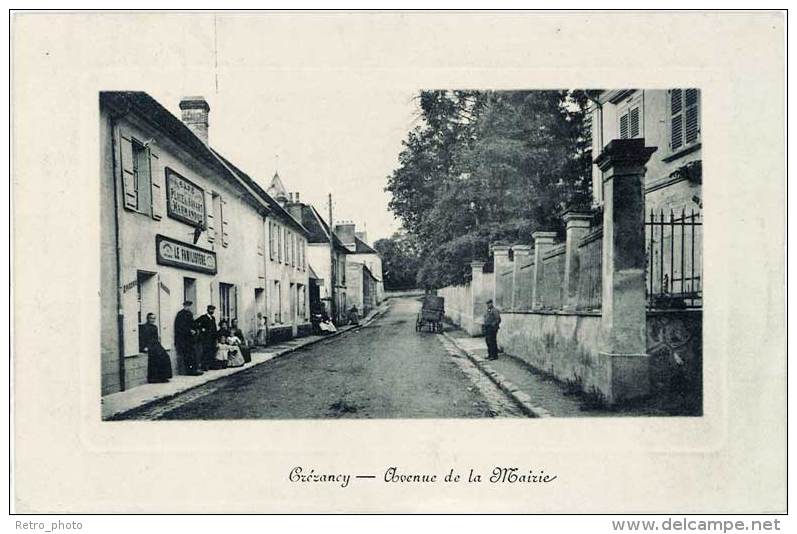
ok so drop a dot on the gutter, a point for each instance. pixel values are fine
(114, 116)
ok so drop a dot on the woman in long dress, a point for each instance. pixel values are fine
(234, 356)
(159, 365)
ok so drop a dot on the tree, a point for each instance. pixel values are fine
(400, 261)
(485, 167)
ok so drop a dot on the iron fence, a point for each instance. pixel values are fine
(590, 271)
(674, 246)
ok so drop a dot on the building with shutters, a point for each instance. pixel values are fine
(668, 119)
(325, 253)
(180, 222)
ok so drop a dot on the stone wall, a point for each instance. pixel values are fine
(577, 309)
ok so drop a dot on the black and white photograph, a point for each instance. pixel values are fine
(411, 262)
(529, 253)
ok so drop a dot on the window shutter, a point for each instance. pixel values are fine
(624, 126)
(234, 305)
(676, 119)
(128, 174)
(279, 244)
(157, 197)
(633, 122)
(130, 310)
(691, 122)
(271, 240)
(210, 217)
(225, 236)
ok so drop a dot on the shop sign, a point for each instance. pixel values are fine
(172, 252)
(185, 201)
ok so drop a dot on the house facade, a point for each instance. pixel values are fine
(670, 120)
(179, 222)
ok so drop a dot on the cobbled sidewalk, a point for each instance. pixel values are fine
(117, 404)
(537, 394)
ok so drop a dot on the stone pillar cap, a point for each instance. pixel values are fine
(478, 264)
(543, 236)
(500, 249)
(520, 249)
(624, 151)
(573, 215)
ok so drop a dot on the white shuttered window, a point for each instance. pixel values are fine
(684, 118)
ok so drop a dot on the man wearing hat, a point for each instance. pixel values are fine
(205, 325)
(492, 320)
(184, 341)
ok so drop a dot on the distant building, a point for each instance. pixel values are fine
(363, 253)
(362, 287)
(326, 258)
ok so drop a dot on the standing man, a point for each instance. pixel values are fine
(492, 320)
(184, 333)
(206, 327)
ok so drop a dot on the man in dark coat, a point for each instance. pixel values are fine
(184, 339)
(492, 320)
(159, 365)
(205, 325)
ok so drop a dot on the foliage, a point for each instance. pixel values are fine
(400, 261)
(483, 167)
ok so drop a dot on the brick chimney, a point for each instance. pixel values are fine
(345, 232)
(195, 115)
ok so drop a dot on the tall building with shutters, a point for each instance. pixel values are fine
(180, 222)
(668, 119)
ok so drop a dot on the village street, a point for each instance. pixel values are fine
(381, 370)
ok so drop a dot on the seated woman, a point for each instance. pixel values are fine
(224, 328)
(234, 356)
(159, 365)
(325, 324)
(243, 345)
(354, 316)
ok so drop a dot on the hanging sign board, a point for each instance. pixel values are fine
(185, 201)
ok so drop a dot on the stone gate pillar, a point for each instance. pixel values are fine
(477, 298)
(522, 253)
(576, 227)
(543, 241)
(624, 357)
(500, 262)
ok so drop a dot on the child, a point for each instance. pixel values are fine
(222, 352)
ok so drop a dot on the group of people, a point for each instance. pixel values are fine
(203, 344)
(323, 325)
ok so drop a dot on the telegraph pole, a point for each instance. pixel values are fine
(333, 307)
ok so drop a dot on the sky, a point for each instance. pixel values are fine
(343, 143)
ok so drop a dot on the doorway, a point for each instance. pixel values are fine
(189, 292)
